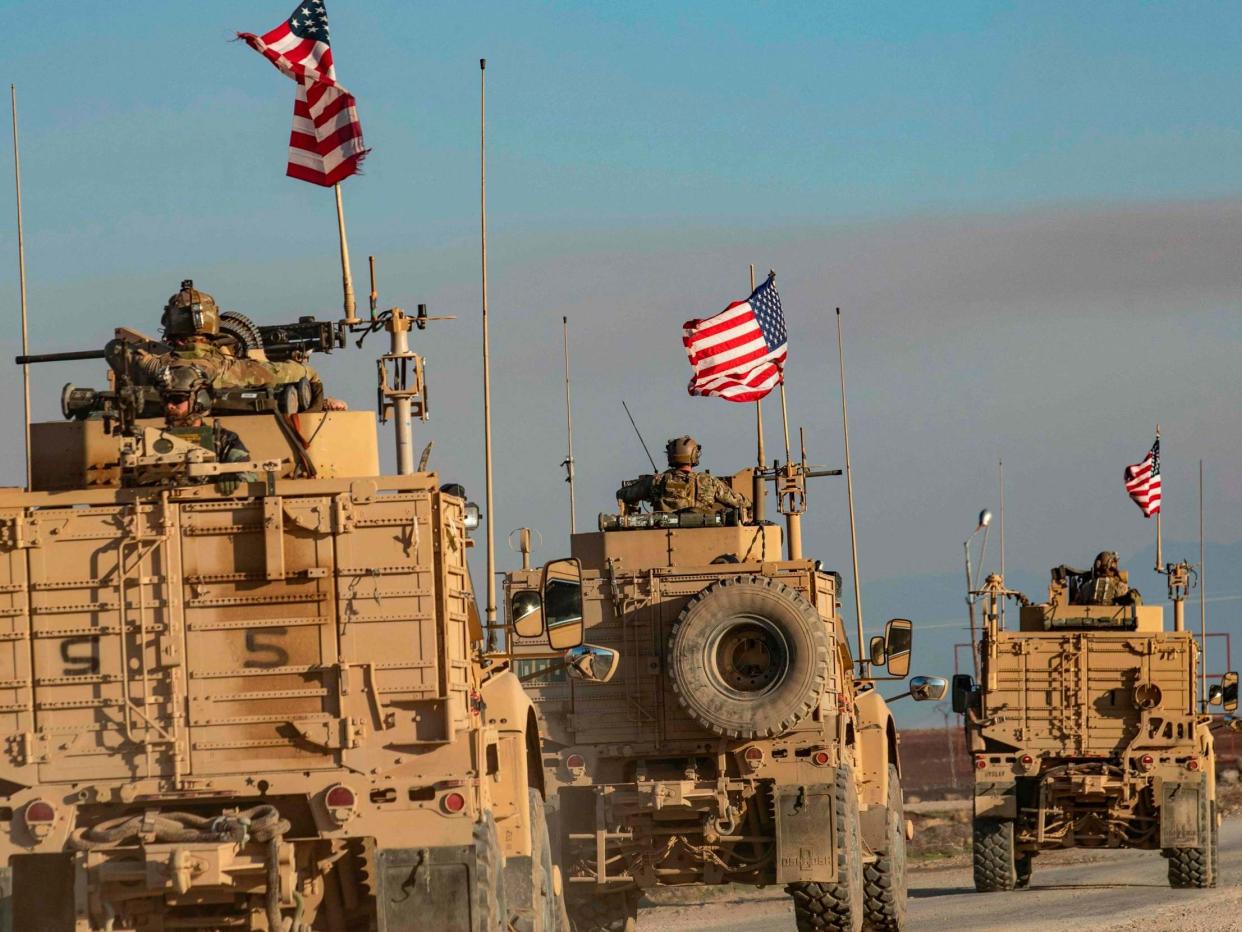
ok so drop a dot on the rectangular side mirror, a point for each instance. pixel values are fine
(878, 651)
(1229, 692)
(526, 613)
(562, 603)
(898, 644)
(963, 686)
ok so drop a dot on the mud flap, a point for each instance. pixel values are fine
(995, 798)
(427, 888)
(805, 823)
(1180, 814)
(43, 895)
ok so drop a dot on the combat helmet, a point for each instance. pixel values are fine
(182, 382)
(682, 451)
(190, 312)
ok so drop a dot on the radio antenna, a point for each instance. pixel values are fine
(569, 430)
(863, 664)
(654, 467)
(21, 277)
(490, 608)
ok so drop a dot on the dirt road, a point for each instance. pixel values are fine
(1123, 891)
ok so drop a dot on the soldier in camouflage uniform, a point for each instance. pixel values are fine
(680, 488)
(1103, 585)
(187, 400)
(191, 320)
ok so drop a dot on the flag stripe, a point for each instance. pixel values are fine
(738, 354)
(1143, 481)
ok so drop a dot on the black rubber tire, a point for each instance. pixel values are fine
(1192, 867)
(884, 880)
(775, 631)
(533, 905)
(1022, 865)
(840, 906)
(993, 855)
(490, 910)
(243, 331)
(594, 911)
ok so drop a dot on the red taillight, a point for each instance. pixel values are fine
(820, 758)
(453, 803)
(341, 797)
(39, 812)
(1147, 762)
(753, 757)
(1027, 760)
(1192, 764)
(980, 763)
(575, 762)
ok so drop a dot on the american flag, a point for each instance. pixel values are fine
(325, 146)
(739, 354)
(1143, 481)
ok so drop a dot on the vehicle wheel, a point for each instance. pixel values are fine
(750, 657)
(884, 880)
(1022, 865)
(602, 912)
(533, 905)
(836, 907)
(1193, 867)
(489, 887)
(993, 855)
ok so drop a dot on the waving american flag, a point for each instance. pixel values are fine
(325, 146)
(1143, 481)
(739, 354)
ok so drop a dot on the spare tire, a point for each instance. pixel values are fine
(749, 657)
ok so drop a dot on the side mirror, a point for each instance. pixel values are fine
(592, 664)
(1229, 692)
(878, 651)
(1214, 694)
(898, 643)
(562, 603)
(526, 613)
(928, 688)
(963, 686)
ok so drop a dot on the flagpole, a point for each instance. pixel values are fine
(21, 277)
(347, 278)
(1000, 468)
(490, 608)
(759, 489)
(1202, 602)
(1160, 568)
(864, 665)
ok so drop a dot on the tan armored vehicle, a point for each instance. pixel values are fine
(1088, 730)
(258, 709)
(718, 727)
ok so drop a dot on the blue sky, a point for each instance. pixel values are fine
(1031, 214)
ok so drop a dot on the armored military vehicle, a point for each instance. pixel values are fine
(264, 709)
(717, 728)
(1087, 729)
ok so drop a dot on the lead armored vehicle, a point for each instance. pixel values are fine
(264, 708)
(1088, 730)
(718, 727)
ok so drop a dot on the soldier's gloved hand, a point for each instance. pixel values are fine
(334, 404)
(228, 484)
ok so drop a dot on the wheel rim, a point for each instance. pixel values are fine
(747, 658)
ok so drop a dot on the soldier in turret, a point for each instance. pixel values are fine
(186, 395)
(191, 322)
(1103, 584)
(680, 488)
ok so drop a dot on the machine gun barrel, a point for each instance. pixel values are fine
(60, 357)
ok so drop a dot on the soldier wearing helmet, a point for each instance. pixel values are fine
(680, 488)
(191, 323)
(1105, 584)
(186, 394)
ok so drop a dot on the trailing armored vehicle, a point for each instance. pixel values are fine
(1087, 729)
(264, 708)
(717, 728)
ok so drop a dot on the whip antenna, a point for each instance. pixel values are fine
(21, 277)
(490, 608)
(863, 664)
